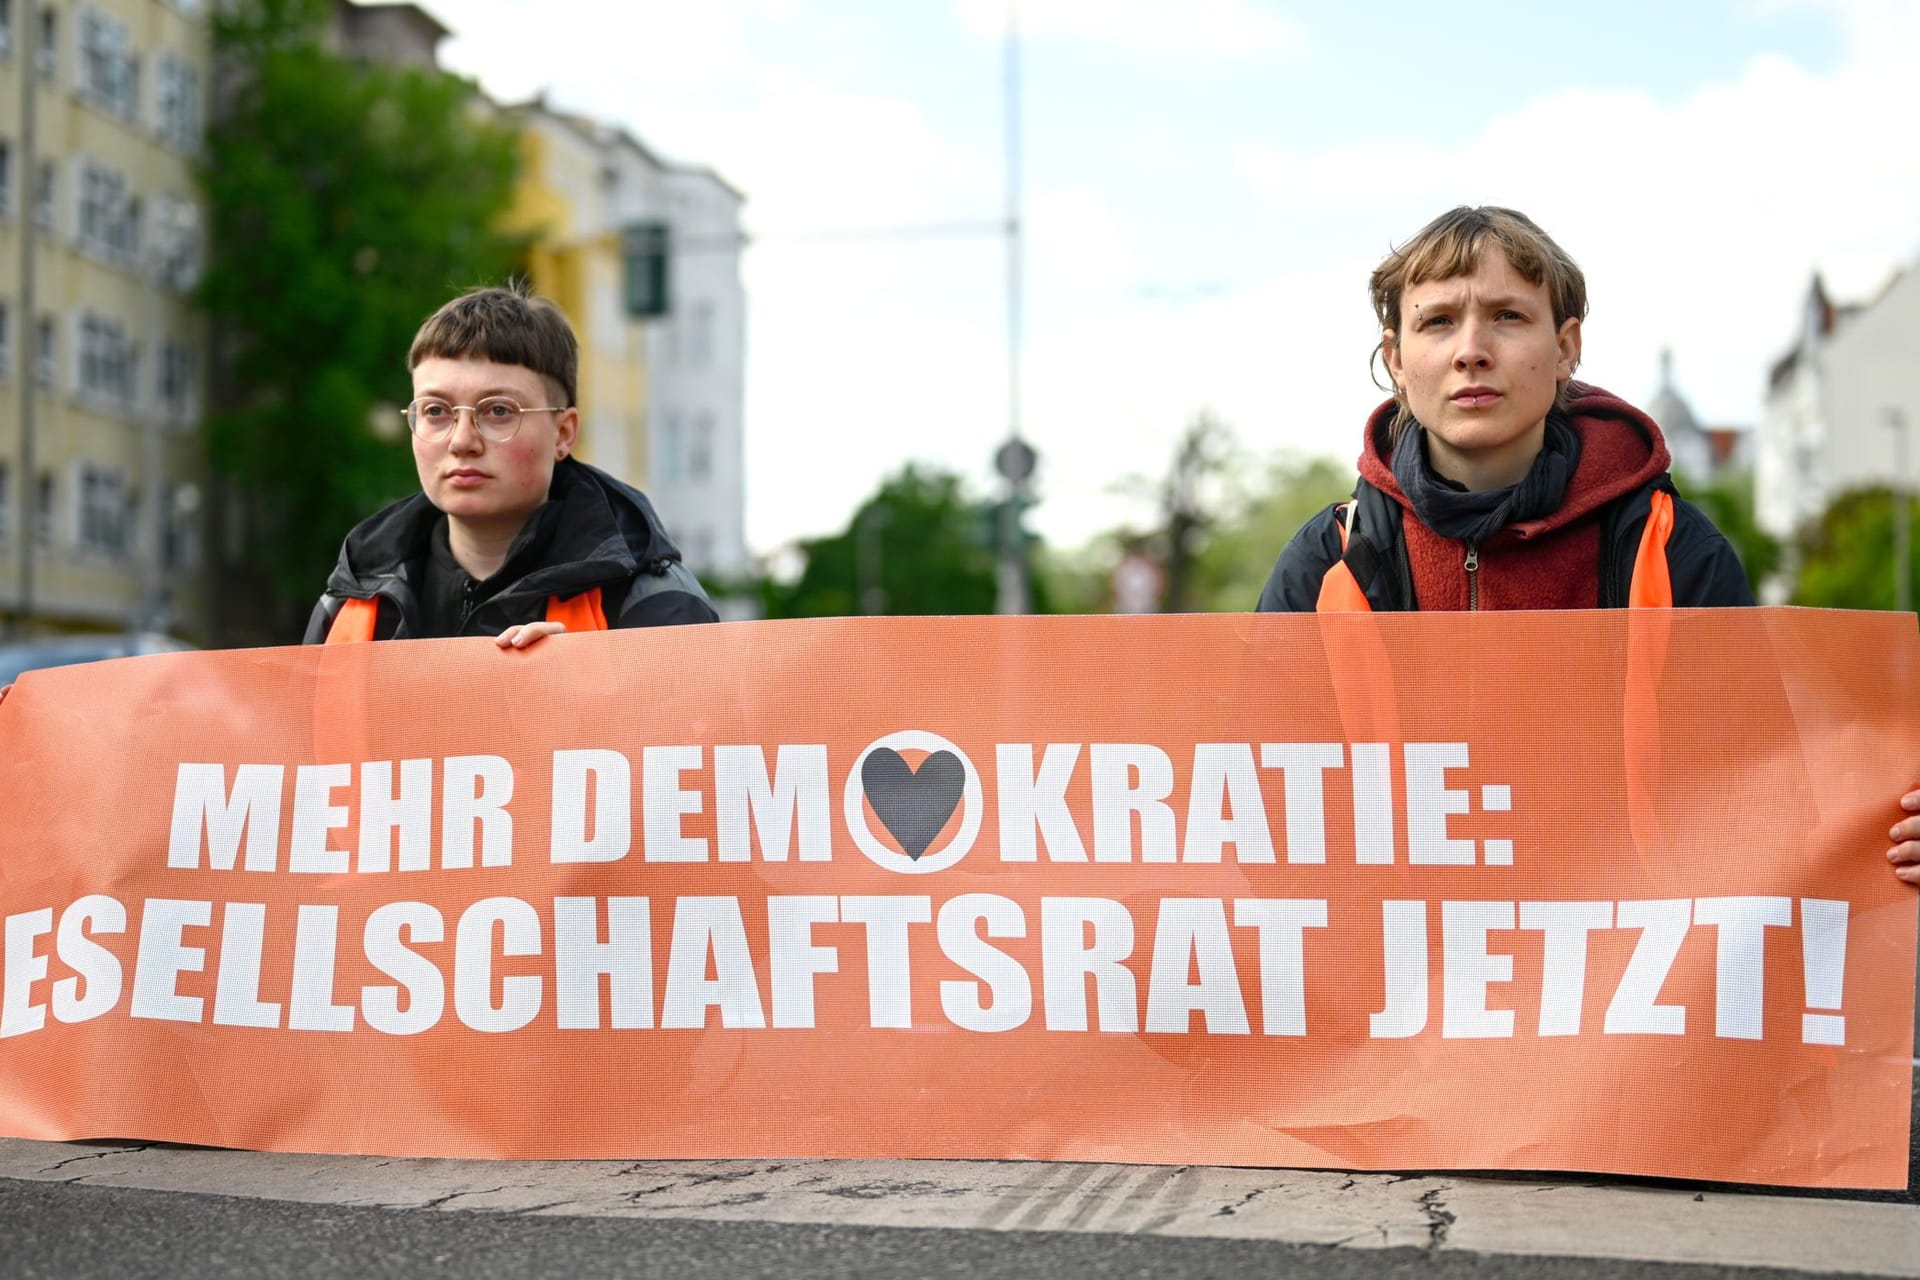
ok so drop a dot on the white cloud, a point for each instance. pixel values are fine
(1698, 221)
(1698, 224)
(1186, 29)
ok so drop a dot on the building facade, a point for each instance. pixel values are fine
(644, 257)
(697, 352)
(1702, 455)
(102, 359)
(1843, 408)
(565, 205)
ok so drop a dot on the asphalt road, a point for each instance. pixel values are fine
(57, 1230)
(140, 1209)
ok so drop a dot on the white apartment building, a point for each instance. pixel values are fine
(1843, 407)
(696, 355)
(644, 256)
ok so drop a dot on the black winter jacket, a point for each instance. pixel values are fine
(593, 531)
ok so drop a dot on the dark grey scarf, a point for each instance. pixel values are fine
(1453, 512)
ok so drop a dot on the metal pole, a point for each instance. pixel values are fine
(149, 611)
(1902, 529)
(1012, 595)
(27, 25)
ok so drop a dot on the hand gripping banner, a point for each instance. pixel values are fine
(1567, 891)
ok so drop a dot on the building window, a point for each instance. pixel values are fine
(169, 232)
(48, 54)
(181, 552)
(109, 74)
(43, 511)
(109, 213)
(175, 386)
(6, 26)
(43, 203)
(106, 510)
(6, 500)
(700, 448)
(700, 335)
(6, 175)
(673, 446)
(177, 103)
(6, 341)
(44, 362)
(106, 364)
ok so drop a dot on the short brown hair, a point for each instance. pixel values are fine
(1450, 246)
(507, 325)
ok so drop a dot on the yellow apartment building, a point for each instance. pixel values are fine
(102, 360)
(568, 202)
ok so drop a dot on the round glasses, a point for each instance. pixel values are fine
(496, 418)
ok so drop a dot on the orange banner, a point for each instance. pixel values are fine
(1580, 891)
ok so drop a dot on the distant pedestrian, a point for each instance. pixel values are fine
(1491, 479)
(510, 536)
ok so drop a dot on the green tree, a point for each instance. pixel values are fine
(1192, 498)
(1846, 556)
(347, 201)
(1223, 516)
(919, 545)
(1265, 513)
(1728, 502)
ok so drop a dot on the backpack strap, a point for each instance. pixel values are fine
(1373, 556)
(1340, 590)
(578, 613)
(1636, 573)
(357, 619)
(1652, 586)
(354, 623)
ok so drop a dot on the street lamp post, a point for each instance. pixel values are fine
(1902, 530)
(28, 324)
(1015, 457)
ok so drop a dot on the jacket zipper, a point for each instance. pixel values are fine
(1473, 577)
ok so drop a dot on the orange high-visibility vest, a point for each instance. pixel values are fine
(356, 619)
(1651, 588)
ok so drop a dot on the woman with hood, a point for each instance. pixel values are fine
(1492, 479)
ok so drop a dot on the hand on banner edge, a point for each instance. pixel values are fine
(528, 634)
(1905, 854)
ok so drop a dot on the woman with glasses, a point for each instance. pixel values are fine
(510, 535)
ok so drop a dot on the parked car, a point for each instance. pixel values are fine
(62, 651)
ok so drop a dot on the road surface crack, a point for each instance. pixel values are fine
(635, 1197)
(452, 1196)
(1228, 1210)
(101, 1155)
(1440, 1219)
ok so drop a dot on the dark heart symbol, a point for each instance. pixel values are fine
(914, 805)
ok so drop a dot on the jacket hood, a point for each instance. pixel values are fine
(601, 528)
(1621, 449)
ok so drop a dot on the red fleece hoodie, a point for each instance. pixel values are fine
(1552, 563)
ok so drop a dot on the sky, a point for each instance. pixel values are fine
(1204, 187)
